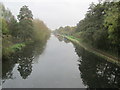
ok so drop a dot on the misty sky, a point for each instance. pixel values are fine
(54, 13)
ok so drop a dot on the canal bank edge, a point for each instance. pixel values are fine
(95, 51)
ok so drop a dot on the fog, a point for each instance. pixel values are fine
(54, 13)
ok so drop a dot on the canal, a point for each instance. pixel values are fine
(58, 63)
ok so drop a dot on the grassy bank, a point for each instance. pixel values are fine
(97, 52)
(7, 51)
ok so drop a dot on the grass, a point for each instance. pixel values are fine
(12, 49)
(17, 47)
(97, 52)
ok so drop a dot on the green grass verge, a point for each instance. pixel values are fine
(97, 52)
(12, 49)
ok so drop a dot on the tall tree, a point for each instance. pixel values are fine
(25, 23)
(25, 13)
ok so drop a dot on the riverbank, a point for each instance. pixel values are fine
(97, 52)
(7, 51)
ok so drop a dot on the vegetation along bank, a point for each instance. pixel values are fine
(99, 30)
(20, 32)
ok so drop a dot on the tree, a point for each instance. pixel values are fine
(92, 24)
(25, 24)
(112, 22)
(4, 27)
(41, 31)
(25, 13)
(13, 27)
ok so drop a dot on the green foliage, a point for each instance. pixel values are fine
(99, 28)
(100, 39)
(25, 30)
(4, 27)
(17, 35)
(92, 24)
(112, 22)
(7, 21)
(5, 13)
(25, 13)
(6, 43)
(41, 31)
(65, 30)
(17, 47)
(13, 27)
(12, 49)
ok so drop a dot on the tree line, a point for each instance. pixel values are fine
(99, 28)
(17, 33)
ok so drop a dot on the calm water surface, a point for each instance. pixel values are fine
(58, 63)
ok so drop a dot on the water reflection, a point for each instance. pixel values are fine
(96, 72)
(24, 59)
(25, 62)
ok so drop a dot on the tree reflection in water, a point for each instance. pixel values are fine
(97, 72)
(24, 59)
(25, 62)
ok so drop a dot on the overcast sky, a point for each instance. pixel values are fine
(54, 13)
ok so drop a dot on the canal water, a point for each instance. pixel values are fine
(58, 63)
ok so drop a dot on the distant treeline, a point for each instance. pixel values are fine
(17, 33)
(100, 28)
